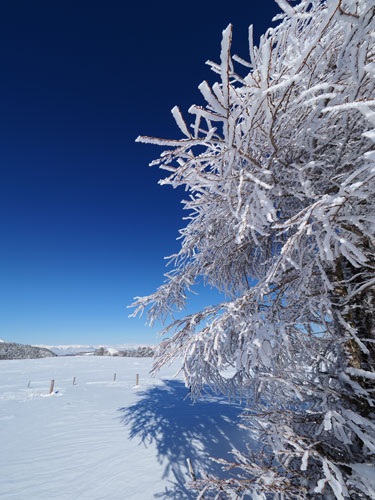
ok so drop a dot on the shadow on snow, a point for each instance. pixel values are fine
(181, 429)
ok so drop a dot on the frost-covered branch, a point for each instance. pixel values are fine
(279, 168)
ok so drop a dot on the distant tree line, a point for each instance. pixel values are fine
(140, 352)
(12, 350)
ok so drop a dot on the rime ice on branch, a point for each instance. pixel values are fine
(280, 169)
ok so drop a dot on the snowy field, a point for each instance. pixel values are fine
(105, 440)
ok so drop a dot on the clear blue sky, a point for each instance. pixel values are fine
(84, 225)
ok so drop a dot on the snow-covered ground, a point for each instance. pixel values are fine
(105, 440)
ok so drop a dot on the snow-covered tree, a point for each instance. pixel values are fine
(280, 170)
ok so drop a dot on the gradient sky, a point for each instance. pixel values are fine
(84, 225)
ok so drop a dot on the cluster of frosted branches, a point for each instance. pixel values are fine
(280, 170)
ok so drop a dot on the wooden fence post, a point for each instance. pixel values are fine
(191, 470)
(114, 377)
(74, 381)
(28, 385)
(51, 386)
(137, 379)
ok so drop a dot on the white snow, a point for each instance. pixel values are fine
(100, 439)
(112, 351)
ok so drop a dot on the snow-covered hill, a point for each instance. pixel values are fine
(104, 439)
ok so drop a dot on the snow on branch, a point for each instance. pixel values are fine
(281, 205)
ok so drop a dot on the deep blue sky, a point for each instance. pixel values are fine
(84, 225)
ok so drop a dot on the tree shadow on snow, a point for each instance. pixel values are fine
(181, 429)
